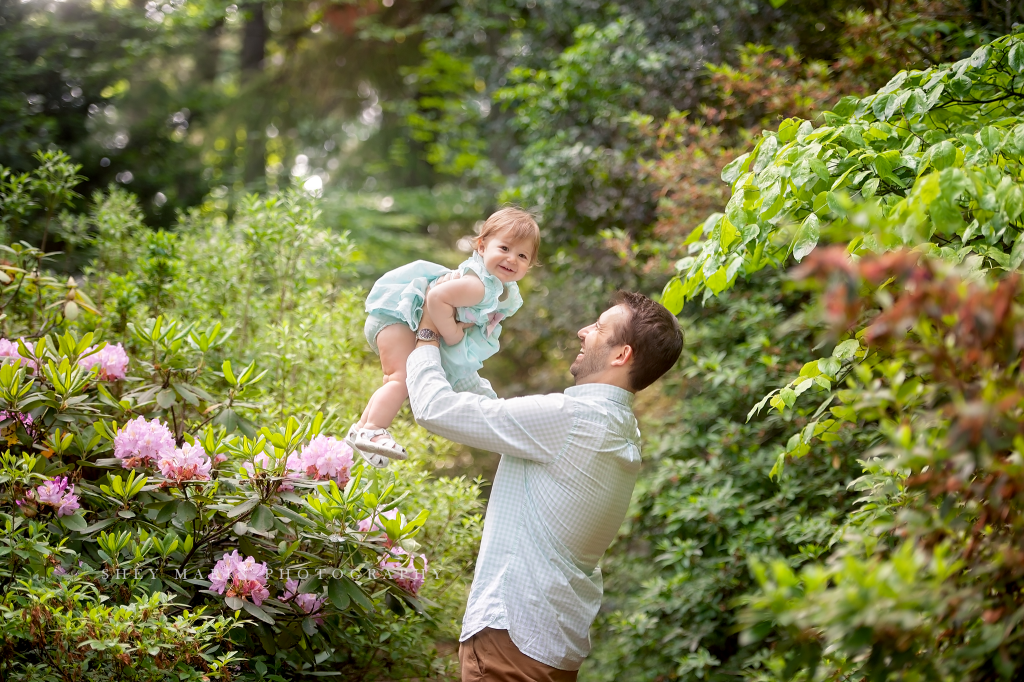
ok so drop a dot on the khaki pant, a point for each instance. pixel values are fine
(490, 656)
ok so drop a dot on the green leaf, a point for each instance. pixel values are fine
(1014, 203)
(947, 219)
(1017, 57)
(718, 281)
(735, 168)
(339, 597)
(942, 155)
(846, 350)
(76, 522)
(293, 515)
(186, 511)
(829, 366)
(262, 519)
(806, 238)
(870, 188)
(673, 297)
(356, 594)
(820, 169)
(166, 398)
(99, 525)
(258, 612)
(226, 367)
(242, 508)
(1017, 252)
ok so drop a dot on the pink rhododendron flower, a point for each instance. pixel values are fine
(187, 463)
(372, 523)
(266, 463)
(70, 570)
(111, 362)
(400, 567)
(9, 349)
(327, 459)
(10, 432)
(309, 603)
(220, 458)
(56, 493)
(142, 442)
(233, 576)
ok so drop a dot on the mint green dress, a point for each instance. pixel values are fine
(397, 298)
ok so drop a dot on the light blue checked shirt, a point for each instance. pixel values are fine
(568, 467)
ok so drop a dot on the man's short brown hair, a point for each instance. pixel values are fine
(654, 335)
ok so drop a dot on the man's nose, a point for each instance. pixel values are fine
(583, 333)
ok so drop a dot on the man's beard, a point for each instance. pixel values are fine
(593, 361)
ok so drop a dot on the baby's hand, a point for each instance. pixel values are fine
(454, 274)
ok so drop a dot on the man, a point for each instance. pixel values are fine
(569, 463)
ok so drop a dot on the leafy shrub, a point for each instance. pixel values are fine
(232, 505)
(920, 581)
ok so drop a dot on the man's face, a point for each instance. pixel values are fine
(596, 343)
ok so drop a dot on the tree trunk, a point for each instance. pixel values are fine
(254, 40)
(208, 52)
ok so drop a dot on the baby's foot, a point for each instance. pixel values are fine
(378, 442)
(375, 460)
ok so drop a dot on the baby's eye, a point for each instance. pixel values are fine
(503, 248)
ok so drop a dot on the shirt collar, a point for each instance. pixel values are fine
(606, 391)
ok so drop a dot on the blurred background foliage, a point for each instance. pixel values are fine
(412, 120)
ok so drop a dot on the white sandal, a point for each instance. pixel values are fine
(377, 461)
(385, 446)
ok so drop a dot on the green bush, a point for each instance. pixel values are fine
(920, 182)
(226, 457)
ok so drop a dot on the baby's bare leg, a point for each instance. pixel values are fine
(395, 343)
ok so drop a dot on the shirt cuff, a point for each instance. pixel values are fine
(422, 356)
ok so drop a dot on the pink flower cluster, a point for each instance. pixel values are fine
(372, 523)
(10, 432)
(240, 578)
(142, 442)
(56, 493)
(310, 603)
(399, 565)
(111, 362)
(9, 349)
(324, 459)
(267, 463)
(187, 463)
(70, 570)
(23, 417)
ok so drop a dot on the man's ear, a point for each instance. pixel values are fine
(623, 357)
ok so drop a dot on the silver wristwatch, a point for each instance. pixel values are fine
(427, 335)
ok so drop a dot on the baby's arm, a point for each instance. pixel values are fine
(444, 298)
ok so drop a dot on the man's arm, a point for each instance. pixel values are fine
(532, 427)
(474, 383)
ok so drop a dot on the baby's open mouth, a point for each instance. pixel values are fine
(509, 270)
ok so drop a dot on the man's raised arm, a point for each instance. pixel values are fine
(532, 427)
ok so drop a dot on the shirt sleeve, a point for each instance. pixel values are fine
(531, 427)
(474, 383)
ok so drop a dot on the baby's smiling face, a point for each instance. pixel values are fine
(506, 259)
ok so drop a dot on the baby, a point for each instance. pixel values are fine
(467, 305)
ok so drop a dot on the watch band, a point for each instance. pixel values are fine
(427, 335)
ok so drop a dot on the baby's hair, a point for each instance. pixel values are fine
(517, 223)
